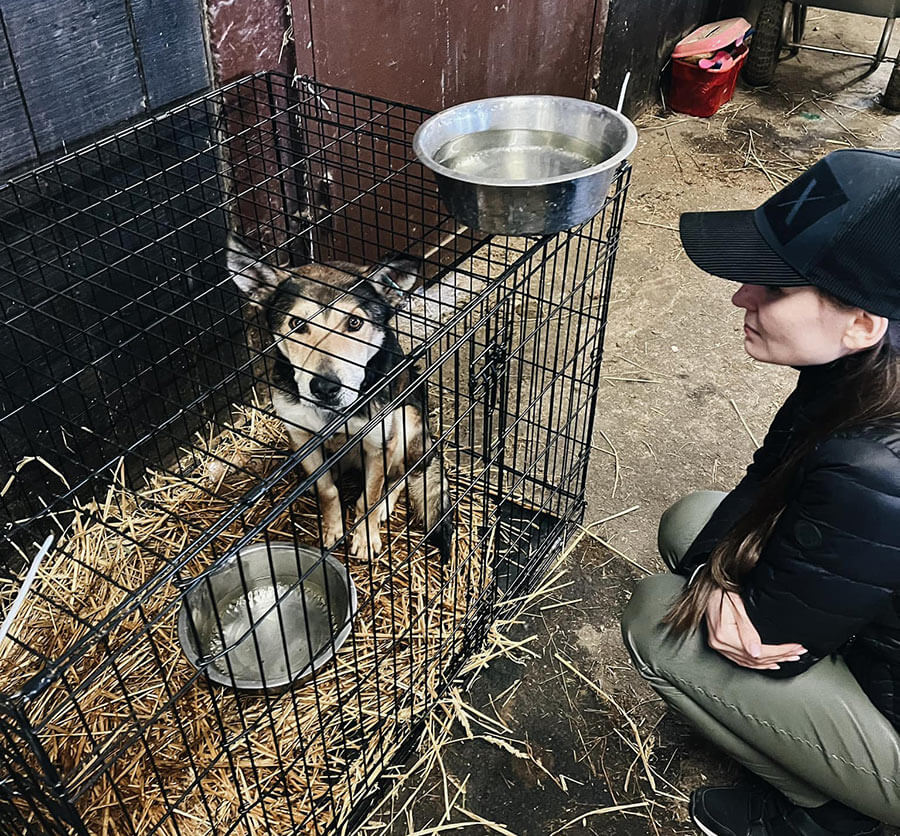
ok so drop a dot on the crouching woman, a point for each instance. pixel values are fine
(778, 633)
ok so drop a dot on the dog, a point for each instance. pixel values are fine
(334, 344)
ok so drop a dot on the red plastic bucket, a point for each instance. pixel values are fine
(700, 92)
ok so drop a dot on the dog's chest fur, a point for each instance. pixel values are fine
(307, 418)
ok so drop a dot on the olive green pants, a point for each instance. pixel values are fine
(815, 736)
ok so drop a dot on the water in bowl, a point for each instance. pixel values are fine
(302, 634)
(519, 154)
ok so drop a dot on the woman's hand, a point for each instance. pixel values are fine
(732, 634)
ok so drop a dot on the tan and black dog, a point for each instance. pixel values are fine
(334, 344)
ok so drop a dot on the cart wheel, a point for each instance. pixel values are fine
(759, 68)
(891, 97)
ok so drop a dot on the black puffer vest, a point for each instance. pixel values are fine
(829, 575)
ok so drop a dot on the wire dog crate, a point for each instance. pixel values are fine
(169, 329)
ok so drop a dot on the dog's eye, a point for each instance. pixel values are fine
(297, 324)
(354, 323)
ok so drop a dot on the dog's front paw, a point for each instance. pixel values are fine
(377, 512)
(366, 540)
(331, 533)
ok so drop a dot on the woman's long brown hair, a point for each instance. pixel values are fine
(869, 394)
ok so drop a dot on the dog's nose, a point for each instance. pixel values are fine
(325, 387)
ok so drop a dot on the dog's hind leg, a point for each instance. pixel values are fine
(427, 488)
(429, 495)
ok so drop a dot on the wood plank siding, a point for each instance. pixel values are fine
(70, 69)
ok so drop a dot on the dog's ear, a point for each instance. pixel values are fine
(395, 276)
(256, 278)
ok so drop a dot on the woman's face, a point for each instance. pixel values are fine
(792, 326)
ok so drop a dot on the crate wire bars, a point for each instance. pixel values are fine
(138, 431)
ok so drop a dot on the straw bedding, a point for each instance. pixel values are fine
(131, 726)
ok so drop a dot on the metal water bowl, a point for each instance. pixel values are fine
(524, 165)
(268, 618)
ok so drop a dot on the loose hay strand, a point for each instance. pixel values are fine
(641, 746)
(616, 808)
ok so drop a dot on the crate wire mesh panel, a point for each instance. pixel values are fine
(145, 352)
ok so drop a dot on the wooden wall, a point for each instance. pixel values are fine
(438, 53)
(248, 36)
(72, 68)
(97, 249)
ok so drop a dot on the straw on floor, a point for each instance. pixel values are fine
(132, 726)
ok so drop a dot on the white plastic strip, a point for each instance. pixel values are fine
(26, 585)
(622, 91)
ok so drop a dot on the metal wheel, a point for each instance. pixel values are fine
(891, 97)
(765, 47)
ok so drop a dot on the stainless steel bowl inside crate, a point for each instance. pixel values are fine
(289, 608)
(524, 165)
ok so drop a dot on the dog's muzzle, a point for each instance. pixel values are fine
(325, 388)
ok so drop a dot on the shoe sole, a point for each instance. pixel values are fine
(698, 824)
(703, 827)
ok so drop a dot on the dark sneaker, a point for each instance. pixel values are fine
(755, 810)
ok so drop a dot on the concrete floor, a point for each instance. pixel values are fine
(687, 419)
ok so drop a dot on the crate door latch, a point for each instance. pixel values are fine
(485, 373)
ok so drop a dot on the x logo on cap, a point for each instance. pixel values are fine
(803, 203)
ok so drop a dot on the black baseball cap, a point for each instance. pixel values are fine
(837, 226)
